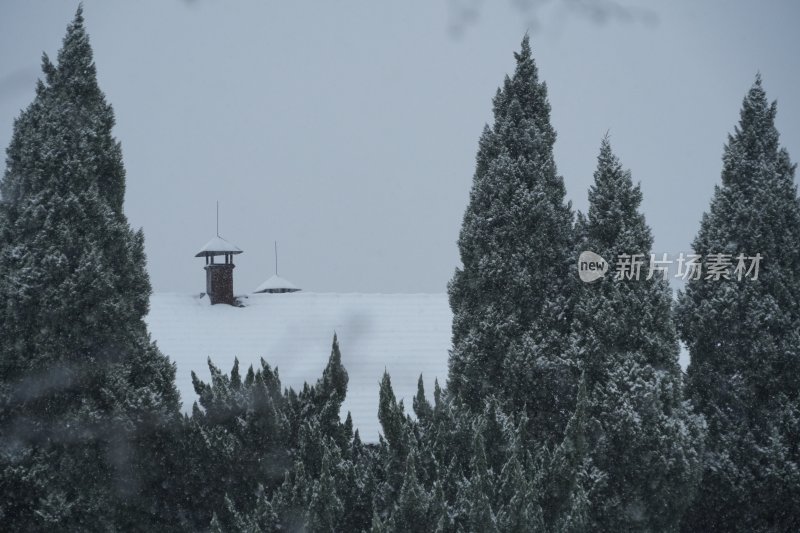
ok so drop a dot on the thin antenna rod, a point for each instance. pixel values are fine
(217, 218)
(276, 258)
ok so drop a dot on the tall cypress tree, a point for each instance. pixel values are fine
(642, 436)
(83, 391)
(744, 335)
(511, 297)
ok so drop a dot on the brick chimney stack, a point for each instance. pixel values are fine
(219, 276)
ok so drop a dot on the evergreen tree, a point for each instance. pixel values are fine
(744, 335)
(246, 433)
(325, 508)
(511, 299)
(620, 314)
(331, 390)
(264, 514)
(495, 436)
(238, 437)
(469, 485)
(474, 503)
(395, 444)
(291, 499)
(643, 439)
(85, 397)
(559, 474)
(357, 487)
(412, 511)
(392, 417)
(518, 509)
(440, 510)
(421, 405)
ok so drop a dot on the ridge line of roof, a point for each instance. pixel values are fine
(301, 294)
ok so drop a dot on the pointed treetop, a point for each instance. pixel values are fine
(334, 377)
(68, 92)
(390, 414)
(524, 84)
(422, 408)
(754, 146)
(521, 109)
(755, 104)
(75, 56)
(77, 25)
(524, 53)
(614, 222)
(609, 169)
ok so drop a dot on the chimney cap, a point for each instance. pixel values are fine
(218, 246)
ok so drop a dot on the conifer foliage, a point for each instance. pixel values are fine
(511, 298)
(744, 335)
(83, 391)
(260, 458)
(644, 441)
(565, 408)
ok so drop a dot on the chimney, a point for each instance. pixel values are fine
(219, 276)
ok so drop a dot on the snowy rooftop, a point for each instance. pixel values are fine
(407, 334)
(218, 246)
(276, 282)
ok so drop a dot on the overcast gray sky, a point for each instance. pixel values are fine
(347, 130)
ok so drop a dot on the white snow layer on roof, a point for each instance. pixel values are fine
(276, 282)
(406, 334)
(218, 245)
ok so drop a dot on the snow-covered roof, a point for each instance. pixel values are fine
(276, 282)
(218, 246)
(406, 334)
